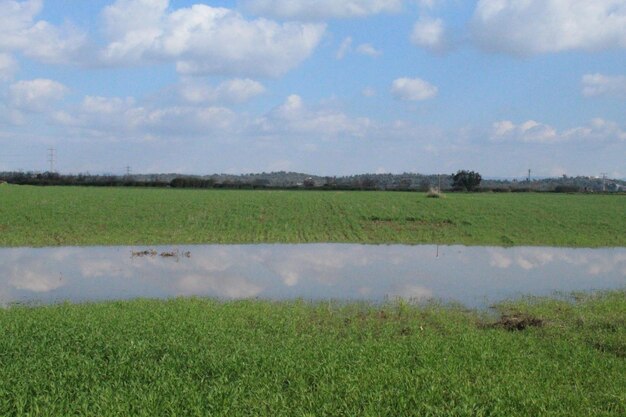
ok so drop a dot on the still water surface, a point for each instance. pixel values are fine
(474, 276)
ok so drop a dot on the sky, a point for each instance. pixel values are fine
(326, 87)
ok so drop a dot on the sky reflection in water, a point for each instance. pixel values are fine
(474, 276)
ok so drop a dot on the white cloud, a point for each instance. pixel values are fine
(413, 89)
(429, 4)
(601, 128)
(368, 92)
(364, 49)
(529, 131)
(106, 105)
(50, 44)
(603, 85)
(8, 67)
(181, 120)
(205, 40)
(369, 50)
(125, 119)
(16, 18)
(239, 90)
(321, 9)
(503, 128)
(35, 95)
(19, 31)
(543, 26)
(294, 118)
(344, 48)
(534, 132)
(143, 17)
(122, 118)
(231, 91)
(429, 33)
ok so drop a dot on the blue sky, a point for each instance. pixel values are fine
(329, 87)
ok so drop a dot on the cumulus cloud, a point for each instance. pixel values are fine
(603, 85)
(297, 119)
(413, 89)
(205, 40)
(321, 9)
(116, 118)
(429, 4)
(106, 105)
(369, 50)
(429, 33)
(605, 128)
(35, 95)
(20, 31)
(543, 26)
(529, 131)
(16, 18)
(231, 91)
(8, 66)
(534, 132)
(344, 48)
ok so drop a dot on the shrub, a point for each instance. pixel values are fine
(566, 189)
(434, 193)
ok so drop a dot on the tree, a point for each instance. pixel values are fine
(368, 183)
(466, 180)
(309, 183)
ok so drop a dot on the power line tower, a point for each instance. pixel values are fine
(51, 158)
(128, 170)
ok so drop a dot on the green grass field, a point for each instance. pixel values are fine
(55, 216)
(198, 357)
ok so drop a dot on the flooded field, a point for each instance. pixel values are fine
(474, 276)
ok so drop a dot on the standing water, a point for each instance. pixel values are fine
(474, 276)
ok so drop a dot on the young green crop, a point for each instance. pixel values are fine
(56, 216)
(197, 357)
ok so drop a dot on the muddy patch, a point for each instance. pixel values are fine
(515, 322)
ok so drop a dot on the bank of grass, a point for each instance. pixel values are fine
(56, 216)
(197, 357)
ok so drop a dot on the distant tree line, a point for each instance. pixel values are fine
(53, 178)
(460, 181)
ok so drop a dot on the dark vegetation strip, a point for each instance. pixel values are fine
(198, 357)
(61, 216)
